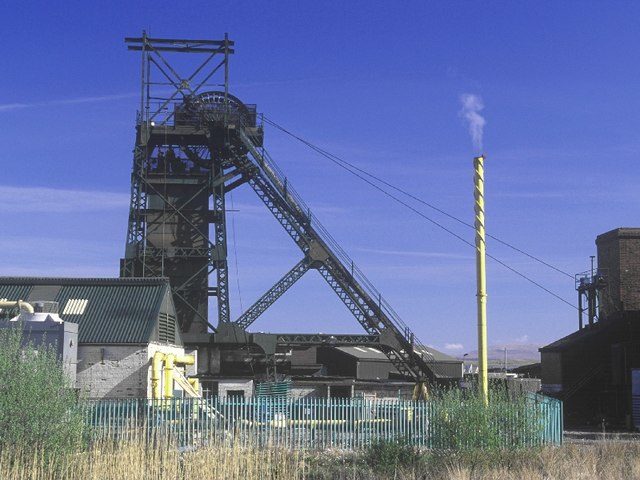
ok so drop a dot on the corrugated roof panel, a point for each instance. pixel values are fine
(113, 313)
(14, 292)
(107, 310)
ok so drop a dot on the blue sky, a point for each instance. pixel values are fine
(377, 83)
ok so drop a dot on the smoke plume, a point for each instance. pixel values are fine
(471, 107)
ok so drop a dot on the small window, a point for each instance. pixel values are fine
(75, 306)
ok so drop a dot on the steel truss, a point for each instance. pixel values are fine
(169, 217)
(221, 137)
(358, 295)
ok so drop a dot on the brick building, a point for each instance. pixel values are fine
(619, 260)
(122, 323)
(596, 370)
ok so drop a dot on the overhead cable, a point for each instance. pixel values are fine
(343, 162)
(355, 171)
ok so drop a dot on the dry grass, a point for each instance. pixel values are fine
(133, 461)
(602, 461)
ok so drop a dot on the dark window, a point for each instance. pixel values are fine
(340, 391)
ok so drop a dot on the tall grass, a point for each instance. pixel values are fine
(137, 461)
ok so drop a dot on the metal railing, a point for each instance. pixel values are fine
(319, 423)
(281, 183)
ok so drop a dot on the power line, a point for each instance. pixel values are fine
(353, 171)
(235, 252)
(339, 160)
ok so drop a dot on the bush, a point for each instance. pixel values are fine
(38, 409)
(461, 421)
(390, 456)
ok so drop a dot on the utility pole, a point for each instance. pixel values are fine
(505, 360)
(481, 277)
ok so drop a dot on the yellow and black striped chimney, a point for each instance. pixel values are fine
(481, 277)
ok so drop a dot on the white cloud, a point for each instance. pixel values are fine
(522, 339)
(34, 255)
(416, 253)
(13, 106)
(67, 101)
(53, 200)
(453, 346)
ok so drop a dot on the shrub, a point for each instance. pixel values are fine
(461, 421)
(390, 456)
(38, 409)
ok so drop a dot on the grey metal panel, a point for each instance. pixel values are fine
(363, 353)
(43, 292)
(551, 368)
(448, 369)
(62, 338)
(375, 369)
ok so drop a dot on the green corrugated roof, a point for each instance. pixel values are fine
(118, 310)
(14, 292)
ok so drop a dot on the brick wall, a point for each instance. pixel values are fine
(241, 384)
(619, 257)
(119, 371)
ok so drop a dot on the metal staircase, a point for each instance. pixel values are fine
(322, 252)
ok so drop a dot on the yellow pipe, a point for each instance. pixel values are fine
(156, 374)
(420, 391)
(481, 278)
(24, 306)
(185, 359)
(195, 383)
(169, 361)
(168, 375)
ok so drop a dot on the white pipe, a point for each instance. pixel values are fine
(24, 306)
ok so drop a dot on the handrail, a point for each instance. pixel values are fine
(281, 183)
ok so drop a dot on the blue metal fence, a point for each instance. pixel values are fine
(319, 423)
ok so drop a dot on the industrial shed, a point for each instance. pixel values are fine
(122, 323)
(369, 363)
(596, 369)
